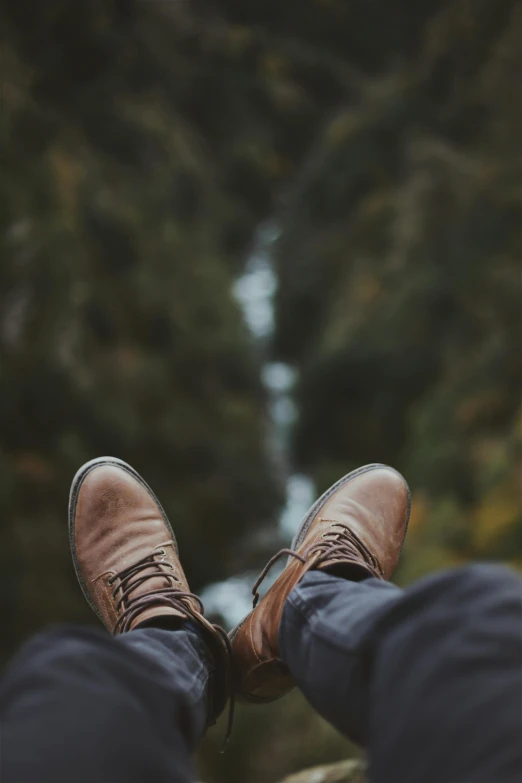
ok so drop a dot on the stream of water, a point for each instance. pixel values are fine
(255, 291)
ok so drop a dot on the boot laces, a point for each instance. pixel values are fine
(338, 543)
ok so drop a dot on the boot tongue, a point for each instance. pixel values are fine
(149, 579)
(353, 552)
(148, 614)
(157, 577)
(152, 588)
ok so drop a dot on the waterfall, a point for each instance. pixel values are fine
(255, 291)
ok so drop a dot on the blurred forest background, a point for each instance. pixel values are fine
(143, 144)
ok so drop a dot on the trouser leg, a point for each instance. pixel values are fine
(77, 704)
(428, 679)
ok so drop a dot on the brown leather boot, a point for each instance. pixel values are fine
(127, 562)
(356, 527)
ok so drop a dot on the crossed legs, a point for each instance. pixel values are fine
(428, 679)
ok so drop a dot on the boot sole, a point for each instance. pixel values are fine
(76, 485)
(273, 668)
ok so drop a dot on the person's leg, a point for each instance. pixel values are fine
(429, 679)
(80, 705)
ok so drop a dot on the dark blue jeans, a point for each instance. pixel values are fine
(429, 680)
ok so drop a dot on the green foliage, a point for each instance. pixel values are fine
(119, 333)
(400, 297)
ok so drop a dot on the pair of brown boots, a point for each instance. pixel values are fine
(127, 563)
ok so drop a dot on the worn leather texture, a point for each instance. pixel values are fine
(118, 522)
(373, 506)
